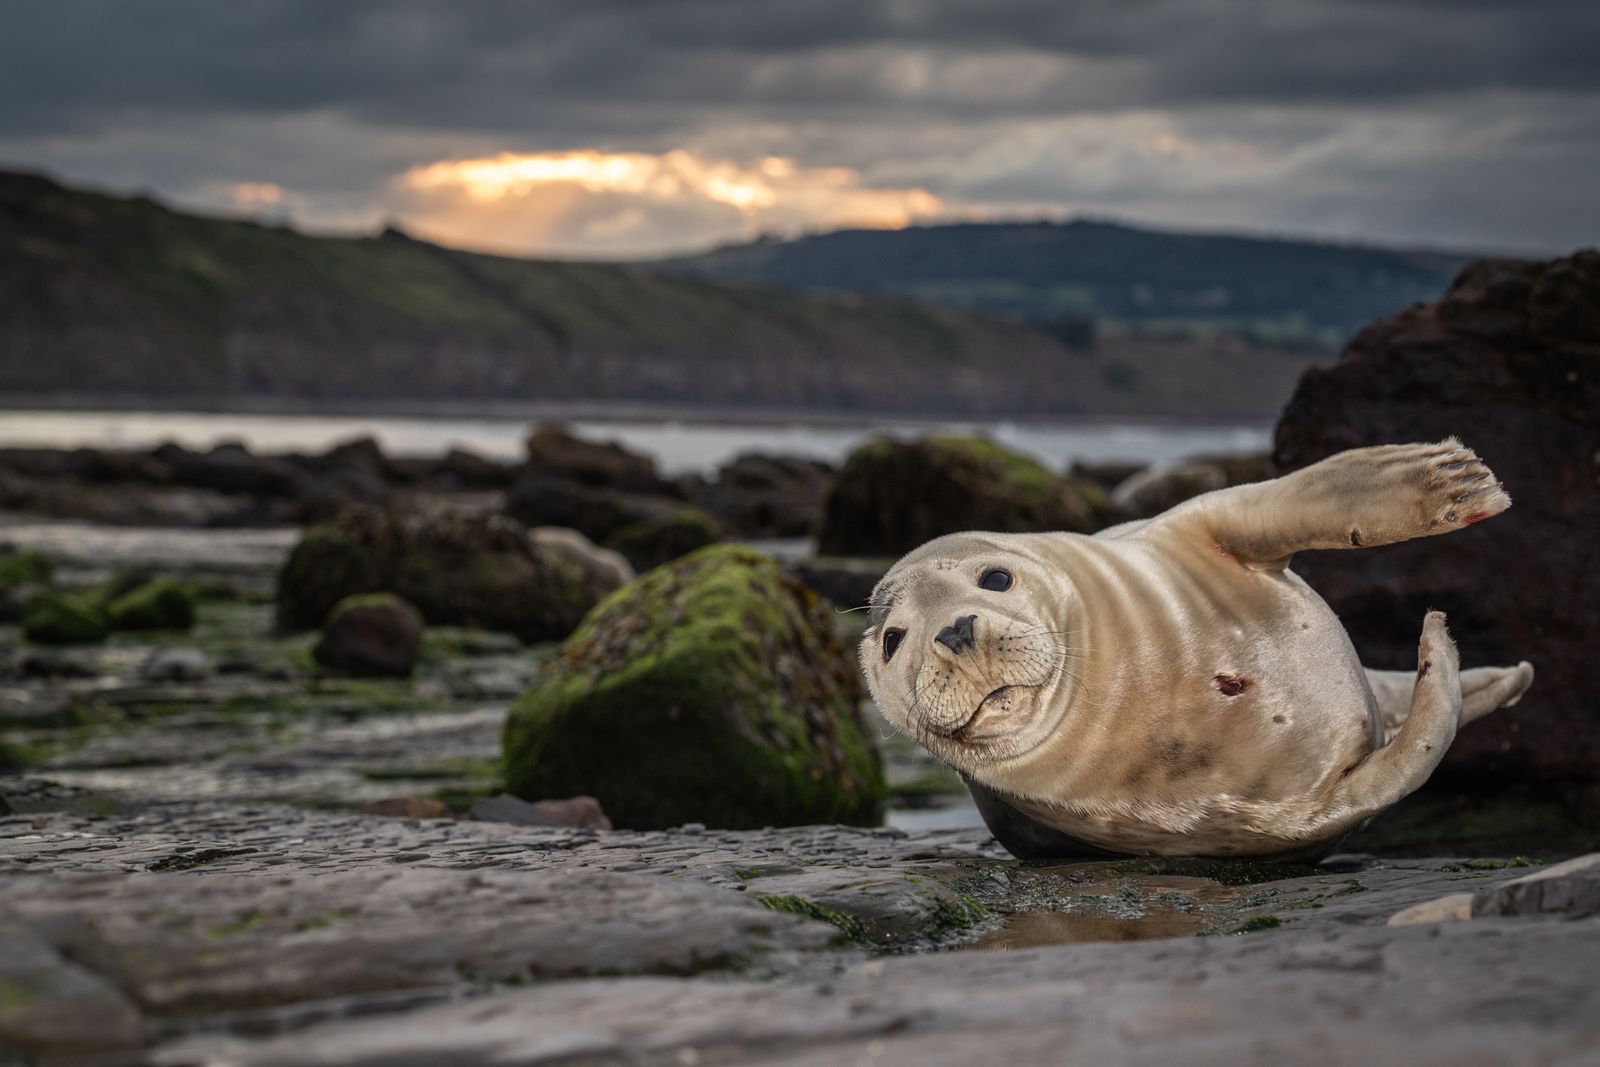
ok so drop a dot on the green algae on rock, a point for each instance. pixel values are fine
(28, 566)
(24, 575)
(124, 581)
(710, 690)
(162, 604)
(892, 496)
(457, 567)
(63, 619)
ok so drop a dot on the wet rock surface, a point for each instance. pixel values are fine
(1149, 491)
(580, 813)
(539, 498)
(247, 558)
(845, 580)
(665, 536)
(236, 711)
(1570, 889)
(176, 665)
(409, 808)
(183, 864)
(764, 495)
(260, 933)
(456, 567)
(376, 635)
(1161, 486)
(553, 450)
(892, 496)
(229, 485)
(606, 568)
(1353, 993)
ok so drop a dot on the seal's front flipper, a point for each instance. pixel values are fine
(1356, 499)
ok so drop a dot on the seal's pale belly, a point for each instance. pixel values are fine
(1210, 694)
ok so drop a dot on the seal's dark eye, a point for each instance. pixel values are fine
(996, 580)
(891, 641)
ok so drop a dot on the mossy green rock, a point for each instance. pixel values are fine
(26, 567)
(61, 619)
(164, 604)
(125, 581)
(710, 690)
(458, 568)
(892, 496)
(24, 575)
(665, 537)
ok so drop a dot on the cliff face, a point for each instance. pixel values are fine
(108, 296)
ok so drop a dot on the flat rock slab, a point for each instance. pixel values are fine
(207, 755)
(1465, 994)
(97, 548)
(206, 932)
(185, 950)
(901, 886)
(1571, 889)
(261, 837)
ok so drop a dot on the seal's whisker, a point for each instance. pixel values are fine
(1043, 632)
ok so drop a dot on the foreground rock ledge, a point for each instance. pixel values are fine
(1463, 994)
(205, 933)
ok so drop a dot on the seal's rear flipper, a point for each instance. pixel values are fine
(1483, 689)
(1026, 837)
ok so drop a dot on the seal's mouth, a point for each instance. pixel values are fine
(997, 694)
(993, 693)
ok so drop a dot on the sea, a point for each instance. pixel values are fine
(679, 444)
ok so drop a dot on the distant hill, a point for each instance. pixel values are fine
(114, 300)
(1291, 293)
(108, 297)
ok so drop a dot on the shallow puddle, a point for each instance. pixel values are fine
(1031, 929)
(1081, 903)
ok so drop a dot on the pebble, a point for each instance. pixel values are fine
(176, 665)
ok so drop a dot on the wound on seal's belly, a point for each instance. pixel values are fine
(1231, 685)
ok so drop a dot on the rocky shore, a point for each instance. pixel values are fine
(252, 934)
(224, 851)
(355, 758)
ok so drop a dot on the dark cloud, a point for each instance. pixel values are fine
(1314, 114)
(504, 64)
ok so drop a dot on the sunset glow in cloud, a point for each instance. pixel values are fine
(256, 195)
(684, 123)
(590, 202)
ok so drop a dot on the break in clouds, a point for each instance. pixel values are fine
(594, 128)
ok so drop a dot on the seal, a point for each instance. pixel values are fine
(1170, 686)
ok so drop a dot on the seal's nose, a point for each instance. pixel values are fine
(957, 637)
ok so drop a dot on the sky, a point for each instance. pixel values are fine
(637, 128)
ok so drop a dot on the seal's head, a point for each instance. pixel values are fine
(968, 648)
